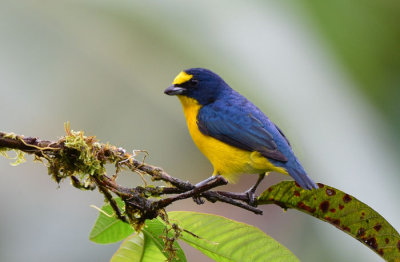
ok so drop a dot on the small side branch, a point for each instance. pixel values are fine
(111, 200)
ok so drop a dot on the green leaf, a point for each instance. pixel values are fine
(341, 210)
(107, 229)
(223, 239)
(139, 248)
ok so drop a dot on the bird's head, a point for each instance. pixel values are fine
(198, 83)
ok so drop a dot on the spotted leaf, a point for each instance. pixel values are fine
(341, 210)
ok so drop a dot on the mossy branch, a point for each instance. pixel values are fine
(82, 159)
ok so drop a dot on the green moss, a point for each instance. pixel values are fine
(87, 161)
(10, 135)
(19, 156)
(78, 158)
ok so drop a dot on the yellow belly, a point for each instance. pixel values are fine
(228, 161)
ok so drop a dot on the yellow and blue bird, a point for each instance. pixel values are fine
(236, 136)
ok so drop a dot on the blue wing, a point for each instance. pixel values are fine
(237, 122)
(245, 127)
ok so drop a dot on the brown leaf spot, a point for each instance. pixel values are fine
(269, 189)
(296, 184)
(296, 193)
(303, 206)
(324, 206)
(347, 198)
(360, 232)
(346, 229)
(341, 206)
(398, 245)
(330, 192)
(380, 251)
(320, 185)
(387, 240)
(371, 242)
(334, 221)
(333, 210)
(378, 227)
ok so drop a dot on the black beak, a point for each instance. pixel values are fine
(174, 90)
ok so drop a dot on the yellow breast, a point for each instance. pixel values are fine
(227, 160)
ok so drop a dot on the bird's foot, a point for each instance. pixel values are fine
(251, 193)
(251, 196)
(206, 183)
(198, 200)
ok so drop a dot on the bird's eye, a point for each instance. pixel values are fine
(193, 82)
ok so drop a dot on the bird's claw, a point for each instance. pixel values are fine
(198, 200)
(252, 199)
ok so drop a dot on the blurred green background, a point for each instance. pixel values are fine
(327, 72)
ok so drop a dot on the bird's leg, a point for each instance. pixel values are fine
(252, 190)
(197, 198)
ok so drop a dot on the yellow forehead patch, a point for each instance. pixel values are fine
(182, 78)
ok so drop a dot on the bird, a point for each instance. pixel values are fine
(234, 134)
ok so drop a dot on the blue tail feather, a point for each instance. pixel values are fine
(301, 177)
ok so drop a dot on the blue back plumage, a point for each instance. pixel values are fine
(229, 117)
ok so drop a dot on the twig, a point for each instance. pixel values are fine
(112, 202)
(196, 191)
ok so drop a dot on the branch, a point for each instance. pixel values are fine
(83, 159)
